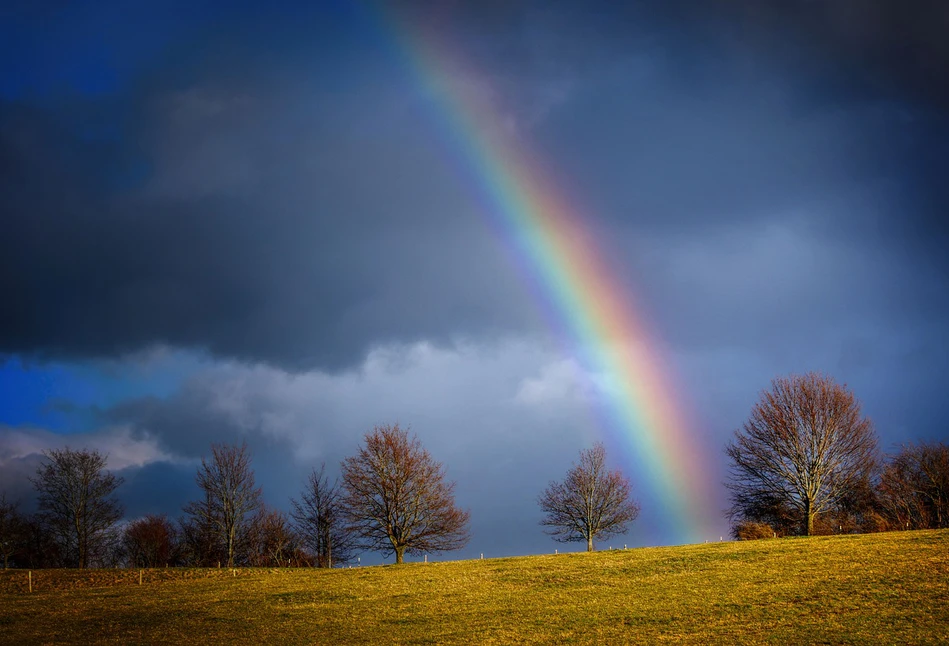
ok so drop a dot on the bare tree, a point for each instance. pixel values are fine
(591, 502)
(273, 541)
(397, 499)
(40, 549)
(320, 520)
(12, 530)
(231, 495)
(914, 487)
(76, 503)
(151, 541)
(856, 512)
(806, 447)
(199, 540)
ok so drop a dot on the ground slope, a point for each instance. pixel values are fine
(880, 588)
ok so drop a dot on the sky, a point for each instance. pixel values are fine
(285, 223)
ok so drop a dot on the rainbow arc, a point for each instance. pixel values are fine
(552, 241)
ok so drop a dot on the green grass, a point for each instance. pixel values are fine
(889, 588)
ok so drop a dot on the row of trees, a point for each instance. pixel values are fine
(807, 462)
(75, 524)
(392, 497)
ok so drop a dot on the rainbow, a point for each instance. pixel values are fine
(550, 240)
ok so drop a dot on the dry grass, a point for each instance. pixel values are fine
(847, 589)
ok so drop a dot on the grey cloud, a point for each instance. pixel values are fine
(883, 45)
(504, 418)
(311, 266)
(128, 451)
(293, 204)
(157, 488)
(125, 447)
(15, 480)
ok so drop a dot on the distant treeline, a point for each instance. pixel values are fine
(391, 497)
(805, 462)
(79, 519)
(911, 491)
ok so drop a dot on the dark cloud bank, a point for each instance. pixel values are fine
(292, 206)
(768, 177)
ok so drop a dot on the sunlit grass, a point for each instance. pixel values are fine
(876, 588)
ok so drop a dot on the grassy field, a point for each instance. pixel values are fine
(879, 588)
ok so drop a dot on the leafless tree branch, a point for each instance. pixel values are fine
(806, 446)
(397, 499)
(591, 502)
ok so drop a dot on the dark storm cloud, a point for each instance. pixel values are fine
(157, 488)
(280, 195)
(884, 47)
(295, 246)
(873, 73)
(15, 480)
(882, 63)
(767, 178)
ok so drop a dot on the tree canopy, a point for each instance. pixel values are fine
(76, 503)
(805, 447)
(590, 502)
(231, 497)
(397, 498)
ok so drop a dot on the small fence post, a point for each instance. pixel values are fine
(30, 577)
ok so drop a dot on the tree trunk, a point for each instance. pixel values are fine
(398, 555)
(80, 546)
(589, 543)
(809, 522)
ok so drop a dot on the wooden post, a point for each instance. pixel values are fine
(140, 577)
(30, 576)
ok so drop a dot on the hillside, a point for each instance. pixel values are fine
(890, 587)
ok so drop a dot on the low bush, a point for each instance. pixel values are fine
(749, 531)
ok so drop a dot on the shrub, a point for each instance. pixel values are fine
(750, 530)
